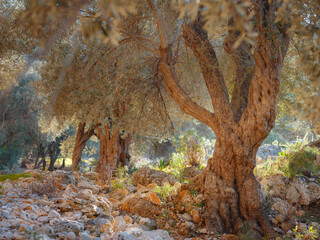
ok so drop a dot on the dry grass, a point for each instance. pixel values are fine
(47, 187)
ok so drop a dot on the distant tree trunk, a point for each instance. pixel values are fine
(44, 162)
(53, 154)
(52, 161)
(40, 153)
(81, 140)
(23, 164)
(113, 150)
(43, 158)
(124, 158)
(63, 164)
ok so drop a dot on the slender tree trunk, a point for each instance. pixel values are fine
(53, 154)
(78, 147)
(63, 164)
(36, 161)
(81, 140)
(39, 154)
(44, 164)
(43, 157)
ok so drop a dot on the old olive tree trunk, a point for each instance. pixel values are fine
(114, 150)
(241, 122)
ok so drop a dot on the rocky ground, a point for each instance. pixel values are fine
(63, 205)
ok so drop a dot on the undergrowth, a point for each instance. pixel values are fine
(122, 180)
(296, 159)
(164, 191)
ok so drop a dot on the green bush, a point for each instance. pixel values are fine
(164, 191)
(300, 161)
(122, 180)
(296, 159)
(162, 164)
(177, 164)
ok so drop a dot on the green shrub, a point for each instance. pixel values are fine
(191, 151)
(294, 160)
(311, 233)
(122, 180)
(164, 191)
(177, 164)
(162, 164)
(115, 184)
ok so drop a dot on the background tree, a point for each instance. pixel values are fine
(19, 128)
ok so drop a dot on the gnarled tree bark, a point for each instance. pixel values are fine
(232, 193)
(114, 149)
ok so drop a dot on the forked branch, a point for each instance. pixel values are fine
(166, 67)
(197, 39)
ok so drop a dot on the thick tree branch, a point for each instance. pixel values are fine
(181, 97)
(244, 62)
(166, 68)
(269, 53)
(197, 39)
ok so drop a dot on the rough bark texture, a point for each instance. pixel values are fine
(124, 157)
(81, 139)
(233, 195)
(113, 150)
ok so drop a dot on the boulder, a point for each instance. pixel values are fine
(155, 235)
(274, 186)
(145, 176)
(184, 202)
(126, 236)
(85, 236)
(282, 207)
(148, 223)
(105, 226)
(69, 226)
(141, 206)
(71, 236)
(269, 150)
(302, 188)
(86, 185)
(118, 224)
(314, 192)
(153, 198)
(195, 214)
